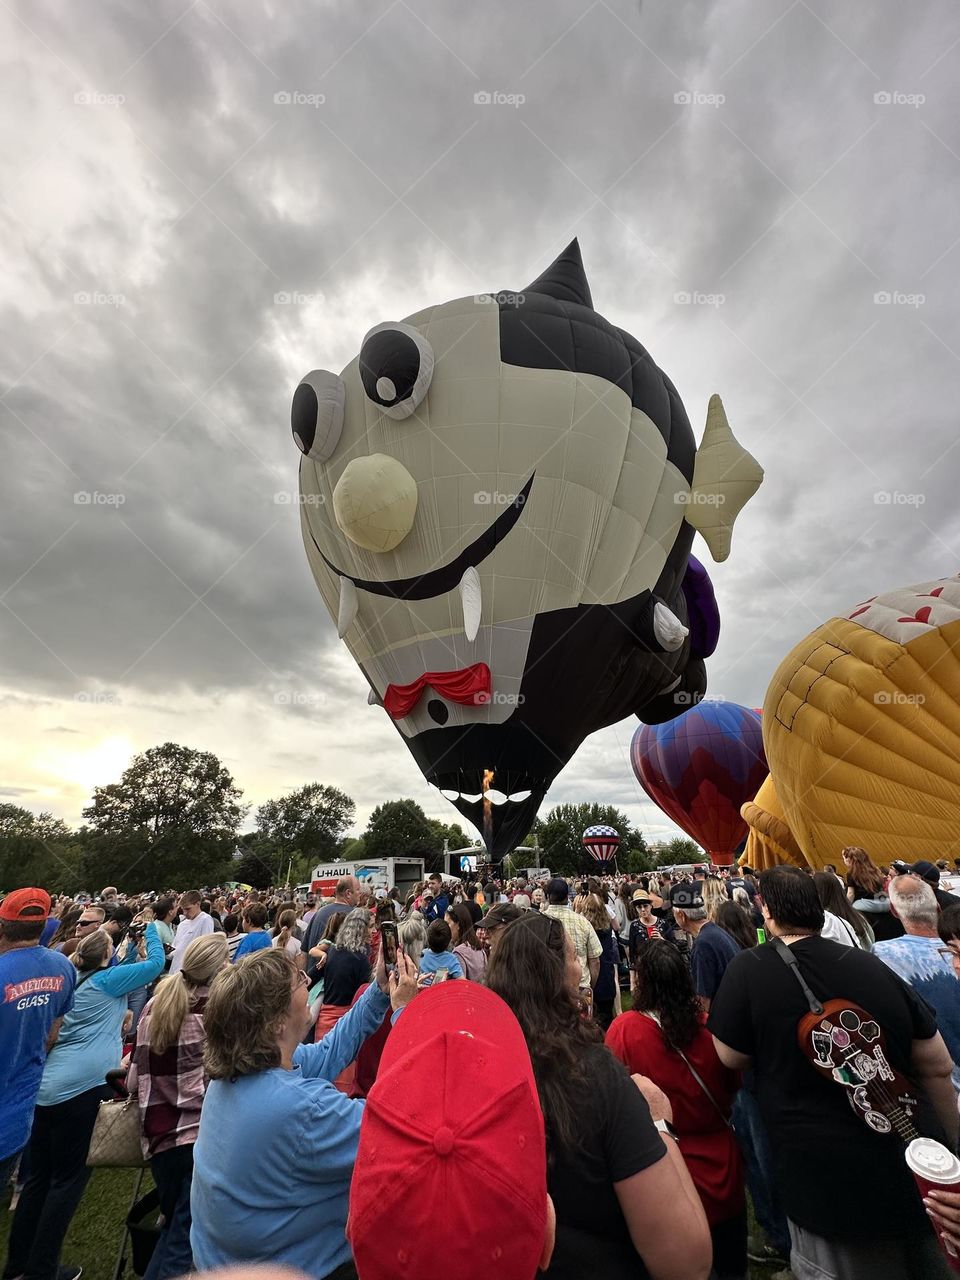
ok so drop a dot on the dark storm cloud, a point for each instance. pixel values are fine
(771, 163)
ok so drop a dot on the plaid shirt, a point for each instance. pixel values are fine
(581, 933)
(170, 1085)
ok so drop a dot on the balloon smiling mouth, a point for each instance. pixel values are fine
(438, 581)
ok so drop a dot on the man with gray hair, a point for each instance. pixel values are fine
(345, 894)
(920, 959)
(713, 947)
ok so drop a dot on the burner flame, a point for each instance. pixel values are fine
(487, 809)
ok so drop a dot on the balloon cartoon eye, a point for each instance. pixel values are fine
(316, 417)
(396, 365)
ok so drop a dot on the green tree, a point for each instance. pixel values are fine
(399, 829)
(257, 862)
(560, 835)
(310, 822)
(37, 849)
(452, 832)
(171, 819)
(677, 851)
(354, 849)
(636, 860)
(15, 821)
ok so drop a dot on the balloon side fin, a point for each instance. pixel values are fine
(725, 478)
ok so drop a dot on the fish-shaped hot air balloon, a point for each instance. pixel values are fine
(700, 769)
(861, 725)
(499, 496)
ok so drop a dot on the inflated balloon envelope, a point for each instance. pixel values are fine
(861, 725)
(700, 769)
(770, 842)
(499, 496)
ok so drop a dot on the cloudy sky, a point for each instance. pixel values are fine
(168, 171)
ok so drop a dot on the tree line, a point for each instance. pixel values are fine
(175, 817)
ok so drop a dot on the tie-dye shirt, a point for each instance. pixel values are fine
(918, 961)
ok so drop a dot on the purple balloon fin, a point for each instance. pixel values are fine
(702, 612)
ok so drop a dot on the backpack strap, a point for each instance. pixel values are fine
(790, 960)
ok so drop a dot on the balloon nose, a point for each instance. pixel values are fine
(375, 502)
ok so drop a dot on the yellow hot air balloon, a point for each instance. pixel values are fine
(861, 727)
(770, 841)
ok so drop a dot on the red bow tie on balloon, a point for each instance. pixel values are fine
(469, 686)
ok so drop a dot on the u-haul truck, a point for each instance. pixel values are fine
(373, 874)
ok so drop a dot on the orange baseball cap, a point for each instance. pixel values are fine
(22, 904)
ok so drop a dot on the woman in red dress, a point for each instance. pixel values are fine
(664, 1037)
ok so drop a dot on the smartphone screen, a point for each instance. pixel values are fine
(388, 934)
(441, 976)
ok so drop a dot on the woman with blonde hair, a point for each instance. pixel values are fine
(71, 1090)
(166, 1077)
(605, 988)
(413, 937)
(285, 932)
(714, 895)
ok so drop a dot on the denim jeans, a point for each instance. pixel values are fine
(758, 1160)
(173, 1173)
(55, 1185)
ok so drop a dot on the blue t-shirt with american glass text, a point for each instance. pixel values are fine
(36, 988)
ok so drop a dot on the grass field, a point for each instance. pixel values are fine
(95, 1233)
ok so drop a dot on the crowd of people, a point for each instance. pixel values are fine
(573, 1078)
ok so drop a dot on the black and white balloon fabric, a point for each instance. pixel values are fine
(316, 417)
(396, 365)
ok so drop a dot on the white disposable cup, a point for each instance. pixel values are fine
(935, 1169)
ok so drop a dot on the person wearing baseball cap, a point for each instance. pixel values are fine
(713, 948)
(493, 923)
(931, 874)
(452, 1126)
(37, 986)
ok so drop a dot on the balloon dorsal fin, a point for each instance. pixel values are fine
(565, 278)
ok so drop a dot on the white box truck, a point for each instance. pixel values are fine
(373, 874)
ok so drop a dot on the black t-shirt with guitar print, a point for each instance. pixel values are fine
(836, 1177)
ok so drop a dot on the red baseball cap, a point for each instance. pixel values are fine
(22, 905)
(451, 1144)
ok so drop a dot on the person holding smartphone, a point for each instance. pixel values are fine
(289, 1206)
